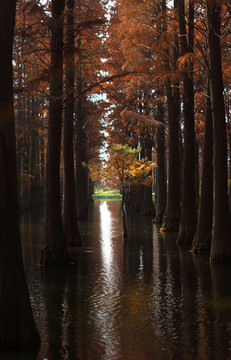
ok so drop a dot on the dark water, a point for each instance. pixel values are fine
(138, 299)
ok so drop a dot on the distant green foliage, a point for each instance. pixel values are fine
(107, 194)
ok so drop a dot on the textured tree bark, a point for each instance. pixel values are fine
(81, 172)
(147, 207)
(171, 218)
(17, 327)
(54, 250)
(188, 219)
(221, 230)
(161, 172)
(70, 224)
(36, 190)
(203, 235)
(124, 217)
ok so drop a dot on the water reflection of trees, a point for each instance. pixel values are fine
(138, 298)
(187, 318)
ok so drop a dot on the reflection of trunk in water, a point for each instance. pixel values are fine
(133, 298)
(221, 291)
(204, 350)
(54, 281)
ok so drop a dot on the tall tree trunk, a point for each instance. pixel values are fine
(70, 225)
(26, 154)
(54, 250)
(161, 172)
(147, 207)
(81, 171)
(171, 219)
(197, 175)
(229, 182)
(19, 149)
(35, 188)
(203, 235)
(221, 238)
(188, 204)
(17, 327)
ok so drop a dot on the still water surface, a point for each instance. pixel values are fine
(136, 299)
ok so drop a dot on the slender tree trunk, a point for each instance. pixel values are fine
(26, 155)
(35, 188)
(229, 181)
(81, 171)
(17, 327)
(148, 207)
(54, 250)
(221, 231)
(171, 219)
(42, 163)
(71, 230)
(197, 175)
(125, 230)
(161, 172)
(91, 188)
(188, 204)
(19, 150)
(203, 235)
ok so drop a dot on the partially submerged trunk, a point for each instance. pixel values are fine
(124, 218)
(221, 238)
(161, 171)
(188, 219)
(147, 207)
(17, 327)
(54, 249)
(171, 218)
(203, 235)
(70, 224)
(81, 171)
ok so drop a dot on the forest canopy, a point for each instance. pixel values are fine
(146, 74)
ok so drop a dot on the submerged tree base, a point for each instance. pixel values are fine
(72, 236)
(54, 256)
(201, 241)
(171, 223)
(82, 213)
(159, 217)
(220, 258)
(17, 328)
(185, 238)
(148, 212)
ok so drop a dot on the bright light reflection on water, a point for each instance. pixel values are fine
(107, 303)
(106, 238)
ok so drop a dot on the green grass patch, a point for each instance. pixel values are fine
(107, 194)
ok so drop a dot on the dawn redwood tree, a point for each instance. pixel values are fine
(70, 224)
(17, 327)
(54, 249)
(147, 205)
(221, 231)
(81, 172)
(203, 235)
(188, 204)
(161, 168)
(171, 220)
